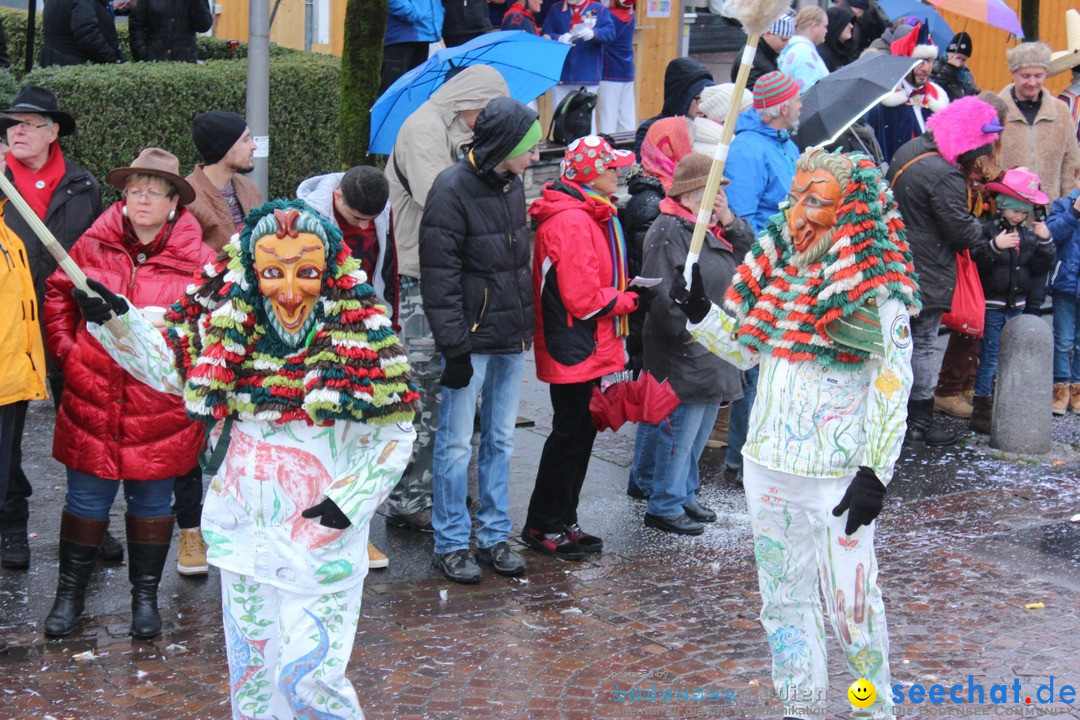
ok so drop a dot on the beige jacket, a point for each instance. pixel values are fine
(1048, 146)
(211, 210)
(427, 144)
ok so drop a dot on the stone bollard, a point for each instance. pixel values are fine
(1021, 419)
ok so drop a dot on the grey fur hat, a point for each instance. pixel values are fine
(1029, 54)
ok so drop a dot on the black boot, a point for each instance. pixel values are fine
(982, 408)
(148, 545)
(79, 540)
(14, 549)
(111, 549)
(922, 428)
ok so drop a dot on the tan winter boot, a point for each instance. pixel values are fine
(718, 436)
(954, 405)
(191, 555)
(1074, 398)
(376, 558)
(1061, 399)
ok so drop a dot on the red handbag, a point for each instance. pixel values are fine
(968, 312)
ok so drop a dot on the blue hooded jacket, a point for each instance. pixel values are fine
(760, 165)
(414, 21)
(1063, 222)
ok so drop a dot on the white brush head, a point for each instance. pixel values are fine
(757, 15)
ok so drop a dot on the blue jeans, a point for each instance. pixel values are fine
(499, 378)
(990, 348)
(92, 497)
(642, 468)
(739, 424)
(1066, 338)
(679, 444)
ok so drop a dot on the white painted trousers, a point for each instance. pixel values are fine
(288, 652)
(802, 551)
(617, 107)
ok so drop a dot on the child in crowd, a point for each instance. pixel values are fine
(1064, 225)
(617, 107)
(1012, 255)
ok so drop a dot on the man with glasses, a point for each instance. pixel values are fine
(67, 199)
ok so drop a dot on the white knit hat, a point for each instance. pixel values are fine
(715, 100)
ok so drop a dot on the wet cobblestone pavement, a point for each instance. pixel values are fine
(966, 541)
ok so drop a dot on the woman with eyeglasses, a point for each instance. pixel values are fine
(110, 428)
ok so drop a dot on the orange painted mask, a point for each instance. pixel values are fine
(814, 203)
(290, 266)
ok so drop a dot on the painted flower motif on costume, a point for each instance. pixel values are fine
(788, 643)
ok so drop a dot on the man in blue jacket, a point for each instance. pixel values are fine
(411, 27)
(587, 26)
(760, 165)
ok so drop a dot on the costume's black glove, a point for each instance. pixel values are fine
(457, 373)
(862, 501)
(329, 515)
(644, 298)
(99, 309)
(694, 303)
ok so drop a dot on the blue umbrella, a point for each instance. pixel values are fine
(529, 64)
(939, 29)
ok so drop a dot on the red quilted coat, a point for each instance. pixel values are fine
(109, 424)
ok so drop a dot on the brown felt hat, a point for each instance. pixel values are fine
(691, 173)
(159, 163)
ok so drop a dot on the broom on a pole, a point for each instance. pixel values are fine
(756, 16)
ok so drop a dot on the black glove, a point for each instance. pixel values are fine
(457, 373)
(644, 298)
(329, 515)
(862, 501)
(695, 304)
(99, 309)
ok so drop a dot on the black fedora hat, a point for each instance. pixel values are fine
(40, 101)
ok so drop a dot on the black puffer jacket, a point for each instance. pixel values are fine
(637, 217)
(165, 29)
(465, 17)
(834, 53)
(1009, 276)
(475, 277)
(932, 196)
(957, 82)
(684, 80)
(79, 31)
(765, 62)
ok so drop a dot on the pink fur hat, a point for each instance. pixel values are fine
(965, 125)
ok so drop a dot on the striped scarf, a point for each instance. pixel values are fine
(797, 313)
(617, 246)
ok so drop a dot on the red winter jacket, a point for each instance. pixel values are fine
(575, 299)
(109, 424)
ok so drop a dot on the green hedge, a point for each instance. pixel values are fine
(210, 48)
(120, 109)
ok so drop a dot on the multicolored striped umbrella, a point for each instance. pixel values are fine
(992, 12)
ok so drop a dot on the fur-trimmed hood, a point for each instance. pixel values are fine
(933, 97)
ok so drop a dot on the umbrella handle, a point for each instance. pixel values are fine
(716, 171)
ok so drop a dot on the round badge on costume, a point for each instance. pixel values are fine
(900, 332)
(40, 184)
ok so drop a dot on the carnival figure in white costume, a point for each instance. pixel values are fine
(282, 341)
(821, 303)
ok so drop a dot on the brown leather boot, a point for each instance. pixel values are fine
(1061, 399)
(79, 541)
(148, 546)
(954, 405)
(1074, 398)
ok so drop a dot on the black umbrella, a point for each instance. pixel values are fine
(842, 97)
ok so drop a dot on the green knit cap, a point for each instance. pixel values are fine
(532, 136)
(1008, 202)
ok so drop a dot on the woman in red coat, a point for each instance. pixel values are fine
(110, 428)
(582, 304)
